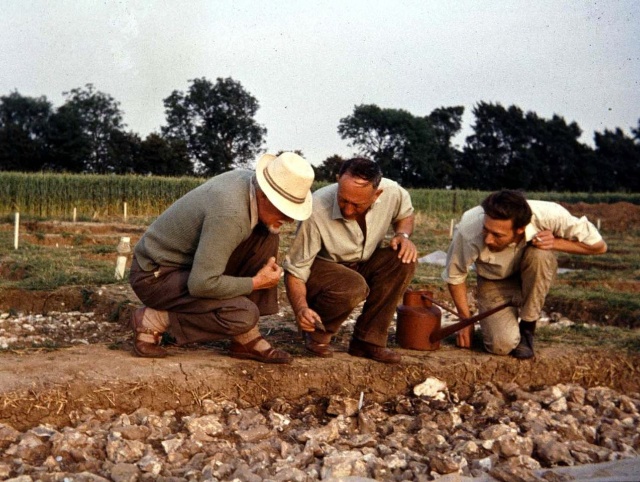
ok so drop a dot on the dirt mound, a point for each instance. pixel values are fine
(50, 386)
(111, 301)
(617, 217)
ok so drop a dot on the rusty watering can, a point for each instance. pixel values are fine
(418, 324)
(417, 319)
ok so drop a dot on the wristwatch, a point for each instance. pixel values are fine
(404, 235)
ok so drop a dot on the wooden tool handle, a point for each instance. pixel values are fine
(438, 335)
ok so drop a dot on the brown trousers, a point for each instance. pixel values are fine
(334, 290)
(193, 319)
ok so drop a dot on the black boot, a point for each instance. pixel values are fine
(524, 350)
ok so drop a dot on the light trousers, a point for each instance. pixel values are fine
(528, 289)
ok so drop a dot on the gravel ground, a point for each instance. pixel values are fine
(501, 432)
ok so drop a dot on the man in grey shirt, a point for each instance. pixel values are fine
(206, 268)
(511, 242)
(337, 260)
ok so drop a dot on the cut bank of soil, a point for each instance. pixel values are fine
(50, 386)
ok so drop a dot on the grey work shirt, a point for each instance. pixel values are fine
(329, 236)
(468, 247)
(200, 231)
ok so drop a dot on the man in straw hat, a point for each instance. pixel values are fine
(338, 260)
(511, 241)
(206, 268)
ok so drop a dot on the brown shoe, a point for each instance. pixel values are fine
(317, 348)
(143, 348)
(378, 353)
(247, 351)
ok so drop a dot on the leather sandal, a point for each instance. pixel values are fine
(317, 348)
(142, 348)
(247, 351)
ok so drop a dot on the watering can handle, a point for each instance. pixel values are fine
(438, 335)
(444, 307)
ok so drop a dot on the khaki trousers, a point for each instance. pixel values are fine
(334, 290)
(528, 288)
(193, 319)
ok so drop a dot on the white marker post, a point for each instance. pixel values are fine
(125, 212)
(124, 248)
(16, 231)
(75, 213)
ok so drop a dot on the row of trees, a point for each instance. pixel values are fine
(508, 149)
(211, 128)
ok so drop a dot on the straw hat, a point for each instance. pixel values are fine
(286, 180)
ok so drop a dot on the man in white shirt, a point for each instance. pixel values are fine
(338, 260)
(511, 242)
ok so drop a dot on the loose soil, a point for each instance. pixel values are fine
(50, 385)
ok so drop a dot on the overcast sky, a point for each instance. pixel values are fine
(310, 62)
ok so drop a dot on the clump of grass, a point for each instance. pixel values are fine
(45, 268)
(604, 337)
(608, 338)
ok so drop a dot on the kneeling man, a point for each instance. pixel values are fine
(512, 241)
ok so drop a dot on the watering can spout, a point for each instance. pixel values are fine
(441, 333)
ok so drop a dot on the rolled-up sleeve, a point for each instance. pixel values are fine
(585, 231)
(405, 206)
(564, 225)
(303, 250)
(460, 256)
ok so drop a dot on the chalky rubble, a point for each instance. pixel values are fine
(502, 432)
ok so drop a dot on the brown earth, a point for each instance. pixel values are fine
(617, 217)
(40, 385)
(53, 385)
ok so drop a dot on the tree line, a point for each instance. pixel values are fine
(211, 128)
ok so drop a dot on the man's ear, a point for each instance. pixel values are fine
(377, 194)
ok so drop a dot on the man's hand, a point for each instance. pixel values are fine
(544, 240)
(407, 251)
(268, 276)
(464, 337)
(307, 318)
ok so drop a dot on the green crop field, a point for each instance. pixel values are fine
(99, 197)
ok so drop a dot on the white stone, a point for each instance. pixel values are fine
(430, 387)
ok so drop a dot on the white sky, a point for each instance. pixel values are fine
(310, 62)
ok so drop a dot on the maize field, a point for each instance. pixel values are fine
(54, 196)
